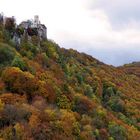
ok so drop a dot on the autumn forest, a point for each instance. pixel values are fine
(51, 93)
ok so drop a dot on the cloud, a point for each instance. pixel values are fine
(96, 28)
(119, 10)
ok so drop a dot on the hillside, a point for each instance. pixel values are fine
(133, 68)
(51, 93)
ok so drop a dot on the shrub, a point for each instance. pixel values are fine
(51, 49)
(8, 133)
(43, 60)
(1, 36)
(42, 131)
(1, 105)
(10, 24)
(63, 102)
(99, 118)
(111, 98)
(35, 40)
(11, 114)
(83, 105)
(79, 78)
(103, 134)
(13, 133)
(107, 93)
(7, 54)
(68, 123)
(18, 62)
(88, 91)
(20, 82)
(19, 131)
(118, 132)
(6, 36)
(2, 86)
(126, 119)
(47, 91)
(116, 104)
(29, 50)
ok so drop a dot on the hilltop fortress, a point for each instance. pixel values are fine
(27, 28)
(39, 29)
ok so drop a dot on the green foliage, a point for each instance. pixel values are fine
(118, 132)
(7, 55)
(1, 36)
(107, 93)
(116, 104)
(29, 50)
(88, 91)
(111, 98)
(80, 78)
(110, 138)
(100, 118)
(6, 36)
(51, 49)
(129, 121)
(76, 129)
(18, 62)
(63, 102)
(96, 133)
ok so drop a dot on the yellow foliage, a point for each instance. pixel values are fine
(19, 131)
(52, 114)
(1, 105)
(33, 121)
(68, 122)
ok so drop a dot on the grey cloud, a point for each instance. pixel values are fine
(119, 11)
(116, 57)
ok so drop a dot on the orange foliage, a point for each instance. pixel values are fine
(9, 98)
(20, 82)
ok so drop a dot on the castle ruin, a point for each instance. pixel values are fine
(29, 28)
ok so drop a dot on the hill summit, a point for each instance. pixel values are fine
(51, 93)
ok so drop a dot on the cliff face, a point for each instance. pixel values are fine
(48, 92)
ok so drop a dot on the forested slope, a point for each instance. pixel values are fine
(51, 93)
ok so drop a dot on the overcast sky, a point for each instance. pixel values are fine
(106, 29)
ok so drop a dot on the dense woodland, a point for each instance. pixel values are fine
(50, 93)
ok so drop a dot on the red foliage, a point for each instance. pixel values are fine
(103, 134)
(9, 98)
(83, 105)
(2, 86)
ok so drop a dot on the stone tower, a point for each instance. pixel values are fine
(36, 21)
